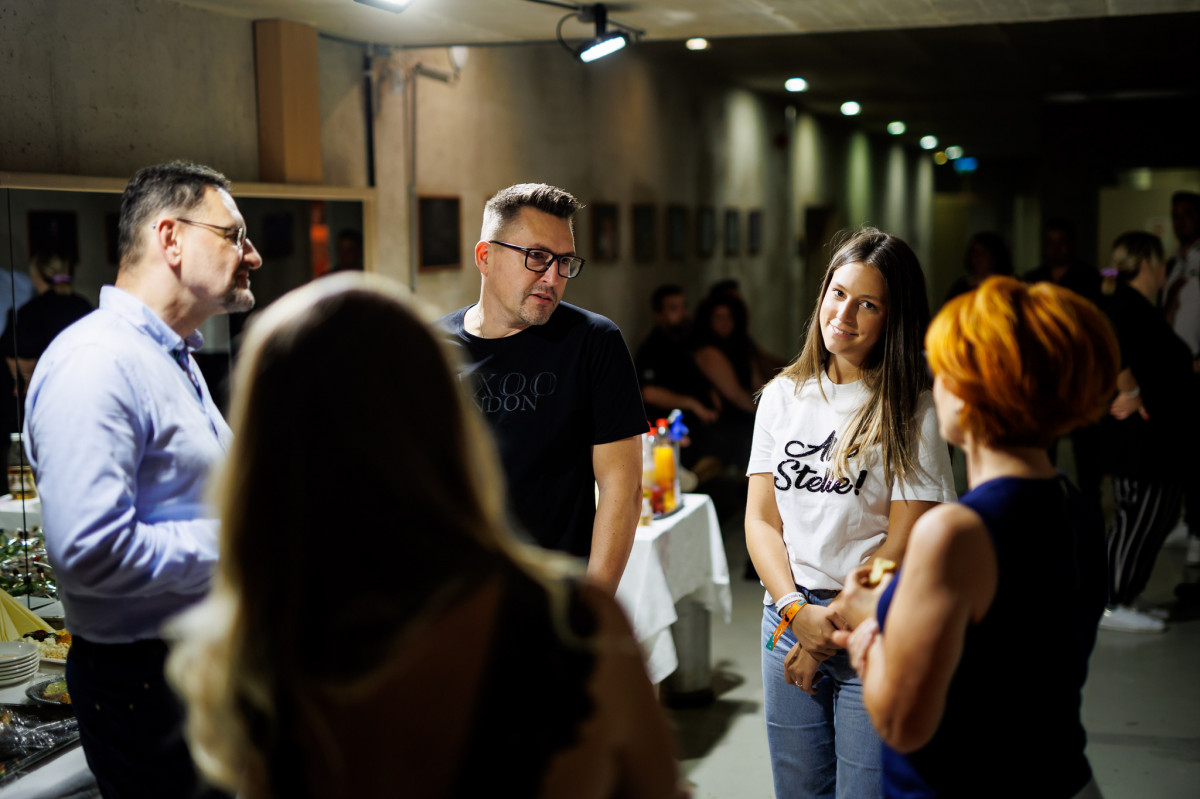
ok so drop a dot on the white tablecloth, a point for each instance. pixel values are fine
(18, 515)
(676, 557)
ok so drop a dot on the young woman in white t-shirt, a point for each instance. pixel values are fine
(846, 456)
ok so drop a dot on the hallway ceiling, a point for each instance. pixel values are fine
(978, 73)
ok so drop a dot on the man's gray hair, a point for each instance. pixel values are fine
(175, 186)
(506, 205)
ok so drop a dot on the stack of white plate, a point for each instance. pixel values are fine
(18, 662)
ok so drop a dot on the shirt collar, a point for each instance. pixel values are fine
(146, 321)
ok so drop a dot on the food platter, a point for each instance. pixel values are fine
(35, 692)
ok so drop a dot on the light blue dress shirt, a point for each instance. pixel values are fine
(122, 440)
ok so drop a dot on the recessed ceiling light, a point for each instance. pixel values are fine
(928, 142)
(796, 85)
(954, 152)
(897, 127)
(940, 158)
(697, 44)
(851, 108)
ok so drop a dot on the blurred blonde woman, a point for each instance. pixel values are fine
(386, 634)
(973, 657)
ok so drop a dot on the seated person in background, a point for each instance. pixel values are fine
(986, 255)
(768, 362)
(724, 351)
(450, 660)
(670, 379)
(1014, 367)
(31, 329)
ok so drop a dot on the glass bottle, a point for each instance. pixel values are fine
(20, 473)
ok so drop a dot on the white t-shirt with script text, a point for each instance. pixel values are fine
(833, 523)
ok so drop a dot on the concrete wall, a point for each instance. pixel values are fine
(103, 89)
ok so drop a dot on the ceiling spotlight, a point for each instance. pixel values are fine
(796, 85)
(940, 158)
(602, 43)
(954, 152)
(599, 48)
(851, 108)
(896, 128)
(395, 6)
(928, 142)
(697, 44)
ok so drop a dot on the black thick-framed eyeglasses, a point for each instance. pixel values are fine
(234, 234)
(536, 260)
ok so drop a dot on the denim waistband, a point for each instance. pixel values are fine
(820, 593)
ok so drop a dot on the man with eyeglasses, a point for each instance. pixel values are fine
(556, 383)
(121, 432)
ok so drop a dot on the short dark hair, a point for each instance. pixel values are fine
(661, 293)
(1188, 197)
(178, 186)
(726, 287)
(1059, 223)
(506, 204)
(351, 234)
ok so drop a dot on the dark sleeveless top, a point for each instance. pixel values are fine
(1011, 726)
(533, 697)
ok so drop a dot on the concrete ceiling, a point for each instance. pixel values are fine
(978, 73)
(440, 22)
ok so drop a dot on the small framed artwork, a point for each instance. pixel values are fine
(643, 233)
(604, 232)
(677, 228)
(733, 231)
(754, 232)
(706, 231)
(439, 241)
(54, 233)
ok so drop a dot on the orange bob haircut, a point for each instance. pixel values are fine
(1031, 363)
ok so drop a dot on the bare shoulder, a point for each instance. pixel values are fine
(947, 530)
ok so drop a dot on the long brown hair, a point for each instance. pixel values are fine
(894, 373)
(344, 397)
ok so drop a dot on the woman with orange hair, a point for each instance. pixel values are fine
(942, 647)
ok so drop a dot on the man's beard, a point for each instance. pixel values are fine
(238, 300)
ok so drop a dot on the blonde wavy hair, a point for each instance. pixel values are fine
(360, 477)
(894, 374)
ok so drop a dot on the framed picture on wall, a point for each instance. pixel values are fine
(644, 244)
(733, 231)
(754, 232)
(53, 233)
(604, 232)
(677, 224)
(706, 231)
(439, 241)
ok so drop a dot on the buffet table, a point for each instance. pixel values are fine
(675, 560)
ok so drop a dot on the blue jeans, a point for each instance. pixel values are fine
(823, 745)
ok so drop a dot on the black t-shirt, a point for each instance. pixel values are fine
(550, 393)
(1161, 364)
(40, 320)
(668, 363)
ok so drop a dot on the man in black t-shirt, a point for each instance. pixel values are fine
(555, 382)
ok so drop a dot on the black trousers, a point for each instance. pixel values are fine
(131, 722)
